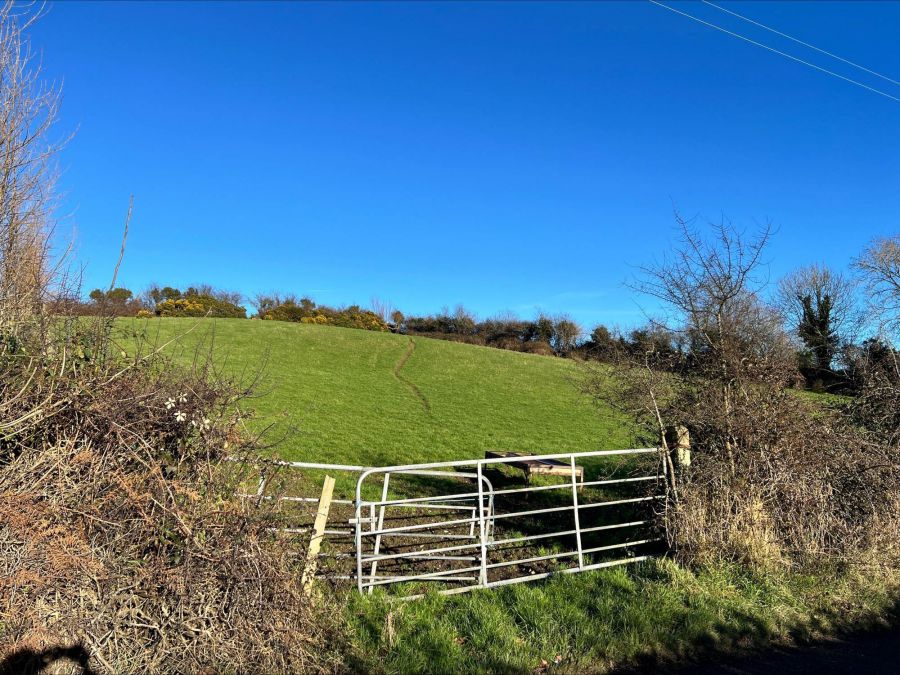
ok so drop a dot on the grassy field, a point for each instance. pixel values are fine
(361, 397)
(357, 397)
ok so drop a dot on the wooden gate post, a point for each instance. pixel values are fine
(318, 533)
(678, 438)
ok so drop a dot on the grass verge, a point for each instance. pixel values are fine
(654, 612)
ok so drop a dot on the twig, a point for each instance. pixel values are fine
(115, 275)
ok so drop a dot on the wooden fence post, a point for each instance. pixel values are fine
(318, 533)
(678, 438)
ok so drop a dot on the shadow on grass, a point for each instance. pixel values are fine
(828, 643)
(654, 617)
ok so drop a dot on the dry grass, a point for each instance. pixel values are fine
(802, 486)
(120, 538)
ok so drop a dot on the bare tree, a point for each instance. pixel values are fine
(27, 172)
(710, 285)
(880, 267)
(819, 306)
(704, 276)
(566, 334)
(382, 308)
(773, 480)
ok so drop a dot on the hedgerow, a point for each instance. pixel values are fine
(123, 547)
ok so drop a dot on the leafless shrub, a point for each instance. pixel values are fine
(874, 367)
(27, 174)
(808, 487)
(382, 308)
(122, 545)
(224, 295)
(119, 531)
(880, 266)
(876, 363)
(732, 342)
(773, 479)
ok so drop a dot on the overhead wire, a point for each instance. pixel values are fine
(800, 42)
(776, 51)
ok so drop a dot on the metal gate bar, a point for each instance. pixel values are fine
(486, 517)
(423, 539)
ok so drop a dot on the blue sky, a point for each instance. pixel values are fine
(506, 156)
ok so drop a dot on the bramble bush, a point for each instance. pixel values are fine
(774, 481)
(136, 531)
(123, 546)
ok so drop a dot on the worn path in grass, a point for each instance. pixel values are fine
(361, 397)
(412, 385)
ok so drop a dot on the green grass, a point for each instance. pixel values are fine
(360, 397)
(653, 612)
(357, 397)
(823, 398)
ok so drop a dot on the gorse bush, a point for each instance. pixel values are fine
(276, 308)
(196, 302)
(200, 305)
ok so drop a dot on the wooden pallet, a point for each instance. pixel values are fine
(532, 467)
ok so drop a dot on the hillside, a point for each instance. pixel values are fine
(361, 397)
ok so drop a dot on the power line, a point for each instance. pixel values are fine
(775, 51)
(801, 42)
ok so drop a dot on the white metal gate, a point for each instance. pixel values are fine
(561, 536)
(455, 526)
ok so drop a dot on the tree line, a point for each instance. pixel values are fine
(833, 320)
(835, 325)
